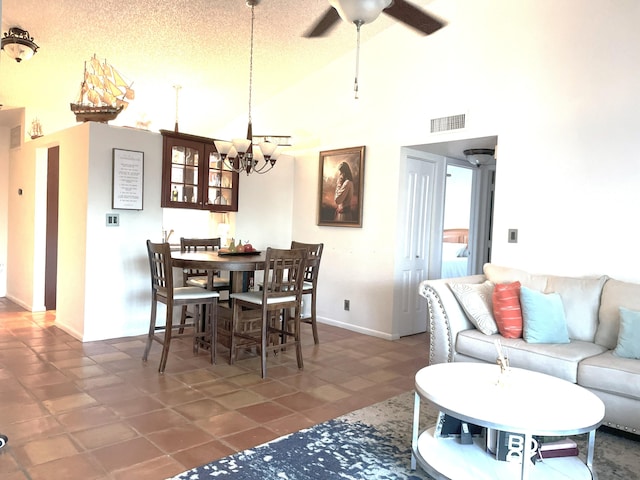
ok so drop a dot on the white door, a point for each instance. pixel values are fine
(419, 209)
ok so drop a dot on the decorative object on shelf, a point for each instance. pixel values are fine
(103, 93)
(36, 129)
(480, 156)
(241, 155)
(18, 44)
(143, 122)
(177, 89)
(361, 12)
(341, 187)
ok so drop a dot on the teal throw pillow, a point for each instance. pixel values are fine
(628, 335)
(543, 317)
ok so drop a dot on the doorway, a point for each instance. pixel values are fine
(51, 251)
(455, 258)
(410, 315)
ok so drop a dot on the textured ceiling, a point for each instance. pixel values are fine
(202, 45)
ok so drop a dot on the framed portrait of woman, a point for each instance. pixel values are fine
(341, 187)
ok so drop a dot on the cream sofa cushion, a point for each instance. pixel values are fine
(497, 274)
(558, 359)
(608, 373)
(581, 300)
(615, 294)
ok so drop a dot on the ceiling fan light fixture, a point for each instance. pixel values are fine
(359, 11)
(18, 44)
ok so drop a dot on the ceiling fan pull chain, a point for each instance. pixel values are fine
(355, 84)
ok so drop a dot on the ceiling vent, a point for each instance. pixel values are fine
(444, 124)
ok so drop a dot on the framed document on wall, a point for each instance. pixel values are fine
(128, 179)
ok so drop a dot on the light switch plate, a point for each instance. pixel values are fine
(513, 235)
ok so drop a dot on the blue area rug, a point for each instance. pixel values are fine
(335, 449)
(374, 443)
(349, 447)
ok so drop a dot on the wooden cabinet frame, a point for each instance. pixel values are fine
(193, 175)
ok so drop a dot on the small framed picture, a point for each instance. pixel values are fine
(341, 187)
(128, 179)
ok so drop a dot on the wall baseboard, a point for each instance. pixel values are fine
(26, 306)
(358, 329)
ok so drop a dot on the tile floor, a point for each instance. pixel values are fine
(94, 410)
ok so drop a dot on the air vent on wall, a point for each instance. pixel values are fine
(14, 137)
(444, 124)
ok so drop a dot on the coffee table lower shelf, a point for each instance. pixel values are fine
(445, 458)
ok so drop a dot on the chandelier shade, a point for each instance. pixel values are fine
(18, 44)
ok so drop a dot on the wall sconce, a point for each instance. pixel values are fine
(18, 44)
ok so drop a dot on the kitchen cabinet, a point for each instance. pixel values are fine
(193, 176)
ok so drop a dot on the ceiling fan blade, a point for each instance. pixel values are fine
(326, 23)
(414, 17)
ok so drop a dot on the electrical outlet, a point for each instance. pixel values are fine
(347, 305)
(113, 219)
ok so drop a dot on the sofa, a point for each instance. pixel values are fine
(598, 320)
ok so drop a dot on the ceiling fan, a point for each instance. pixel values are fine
(361, 12)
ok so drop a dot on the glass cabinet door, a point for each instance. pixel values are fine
(184, 174)
(222, 184)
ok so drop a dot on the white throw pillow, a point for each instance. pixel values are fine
(475, 299)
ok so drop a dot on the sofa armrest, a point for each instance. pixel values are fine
(445, 317)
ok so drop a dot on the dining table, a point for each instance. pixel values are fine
(238, 264)
(241, 267)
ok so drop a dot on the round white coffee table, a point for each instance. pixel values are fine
(520, 401)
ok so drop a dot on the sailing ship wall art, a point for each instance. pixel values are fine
(104, 93)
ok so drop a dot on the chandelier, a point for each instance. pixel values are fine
(18, 44)
(241, 154)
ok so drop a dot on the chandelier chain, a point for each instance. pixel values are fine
(251, 61)
(238, 155)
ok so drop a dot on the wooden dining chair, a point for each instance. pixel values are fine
(281, 293)
(203, 330)
(209, 279)
(310, 282)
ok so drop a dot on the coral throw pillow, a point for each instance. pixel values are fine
(506, 309)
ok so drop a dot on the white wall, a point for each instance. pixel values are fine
(554, 81)
(103, 287)
(4, 206)
(116, 257)
(265, 207)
